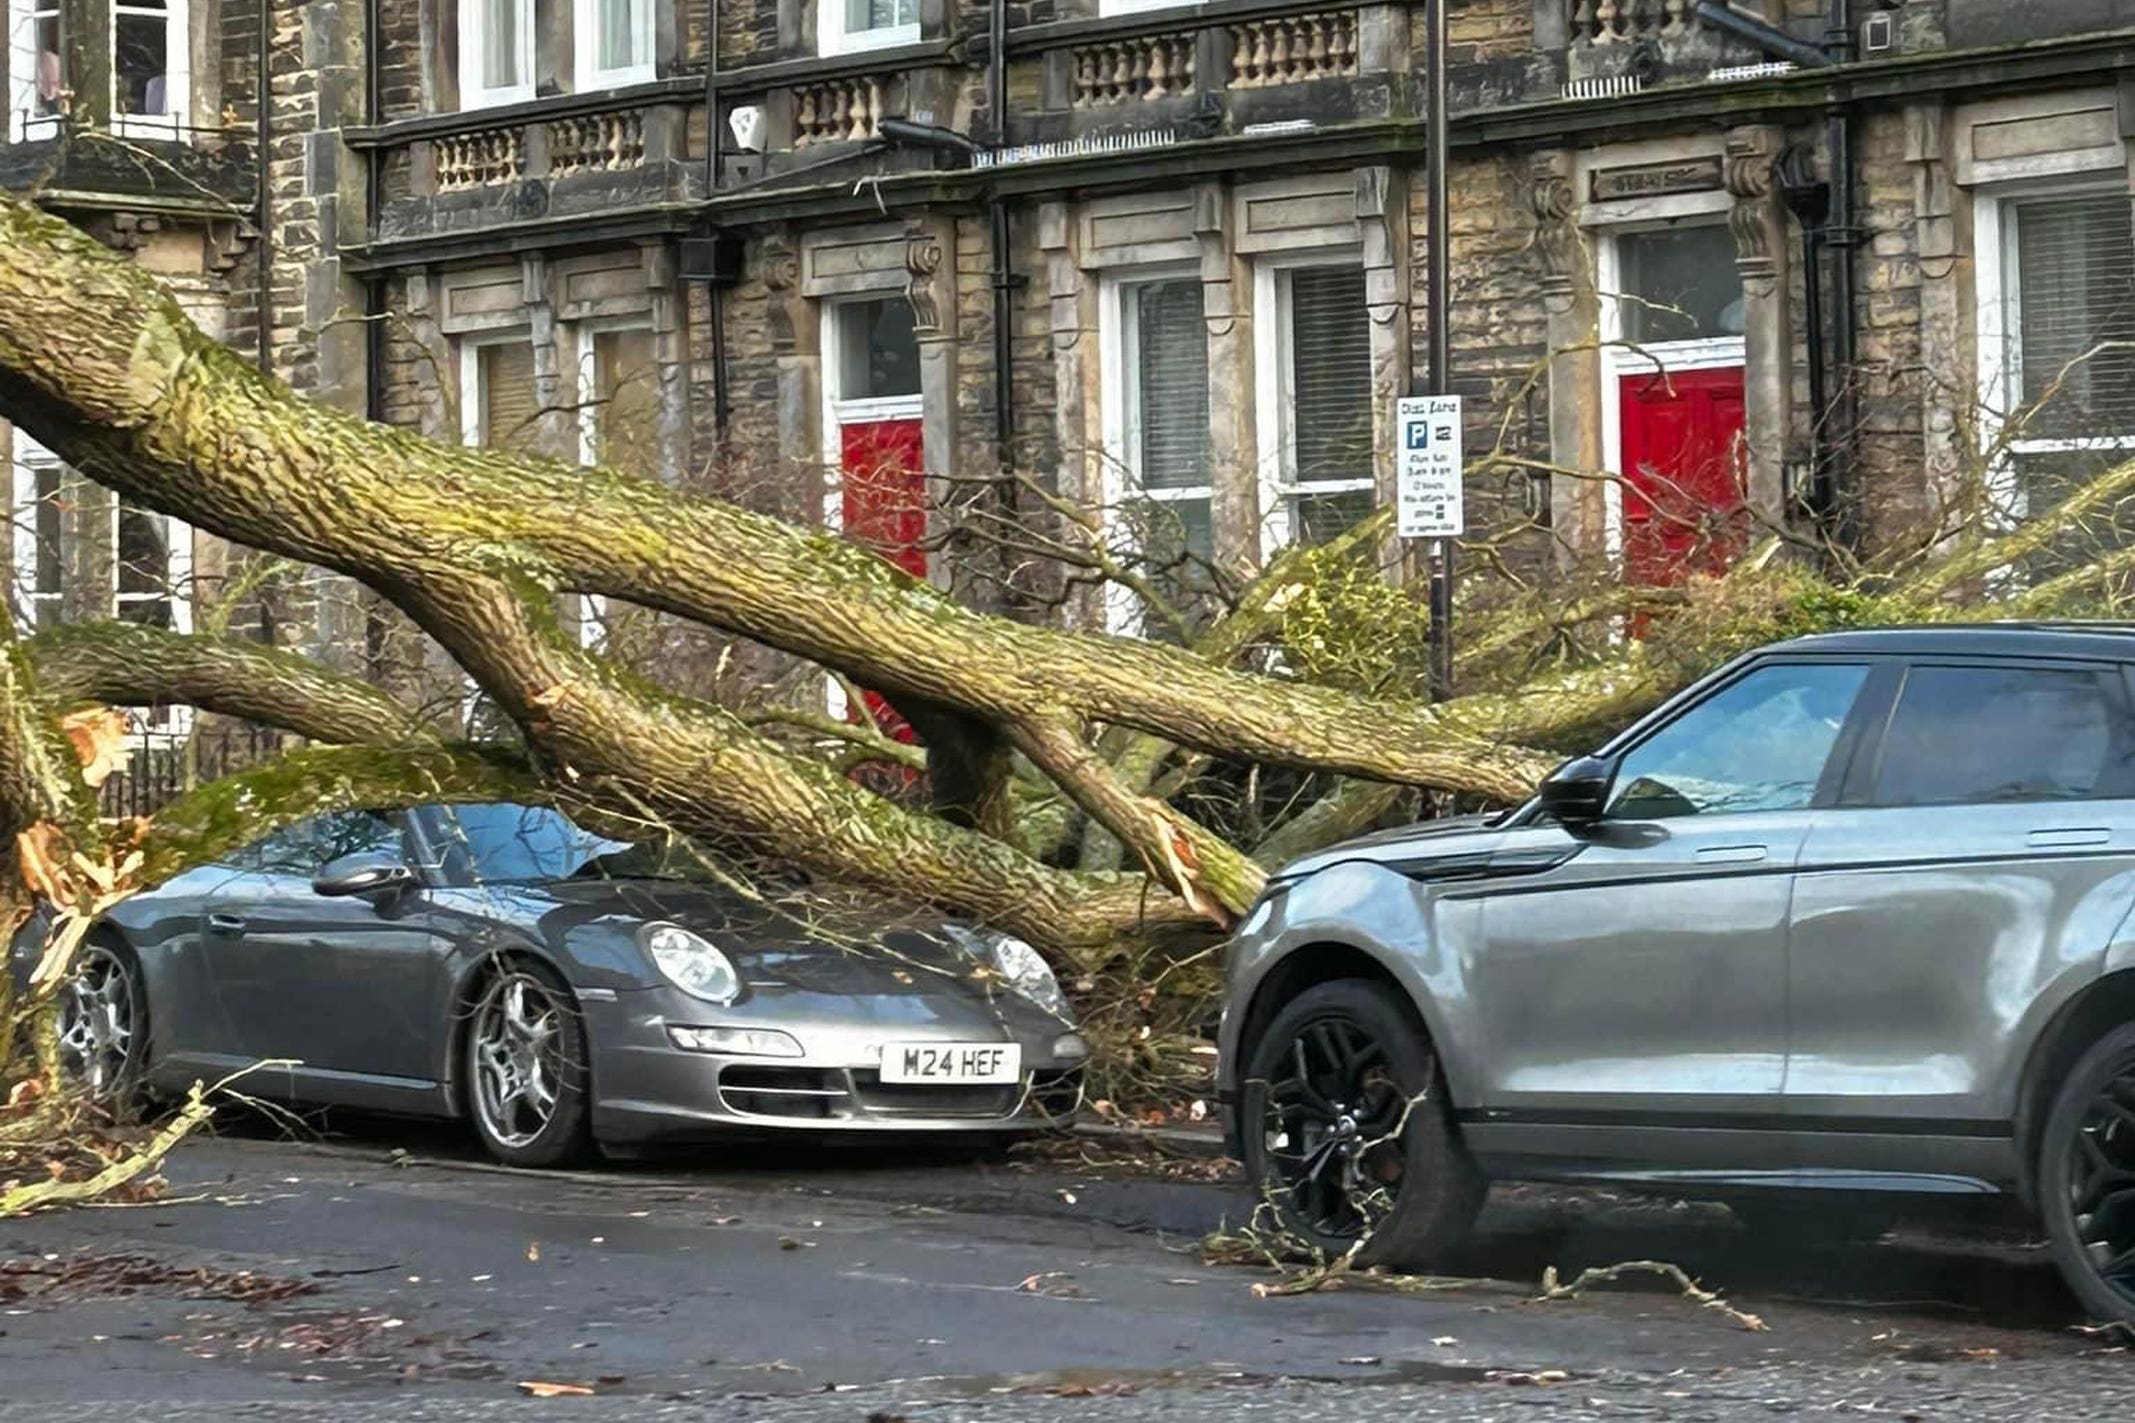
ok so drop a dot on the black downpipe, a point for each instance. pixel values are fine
(374, 308)
(263, 135)
(1812, 267)
(1004, 415)
(715, 297)
(1843, 237)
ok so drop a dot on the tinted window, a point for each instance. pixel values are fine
(498, 843)
(1759, 744)
(309, 845)
(1970, 734)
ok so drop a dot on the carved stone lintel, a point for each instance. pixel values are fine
(922, 260)
(1754, 219)
(1553, 200)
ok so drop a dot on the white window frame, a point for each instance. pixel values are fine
(27, 457)
(22, 53)
(173, 122)
(592, 607)
(1273, 385)
(473, 408)
(1998, 297)
(1119, 431)
(472, 93)
(832, 37)
(1618, 360)
(585, 45)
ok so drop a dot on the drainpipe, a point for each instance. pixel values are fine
(715, 298)
(264, 199)
(374, 306)
(1004, 415)
(1842, 237)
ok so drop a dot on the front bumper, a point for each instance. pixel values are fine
(645, 1088)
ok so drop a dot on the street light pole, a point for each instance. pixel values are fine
(1438, 264)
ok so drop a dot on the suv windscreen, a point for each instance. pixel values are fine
(1966, 735)
(1758, 744)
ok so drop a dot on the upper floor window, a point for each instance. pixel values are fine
(37, 85)
(847, 25)
(148, 65)
(496, 52)
(613, 43)
(1134, 7)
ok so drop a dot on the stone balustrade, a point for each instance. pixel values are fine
(1626, 21)
(1293, 49)
(594, 143)
(479, 160)
(836, 111)
(1139, 69)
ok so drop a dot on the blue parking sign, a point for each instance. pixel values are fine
(1419, 435)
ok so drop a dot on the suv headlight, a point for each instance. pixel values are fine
(1022, 966)
(690, 962)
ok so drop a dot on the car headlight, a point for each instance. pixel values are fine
(690, 962)
(1022, 966)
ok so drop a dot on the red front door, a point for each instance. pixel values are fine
(883, 504)
(1684, 495)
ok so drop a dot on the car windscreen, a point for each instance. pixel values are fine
(508, 844)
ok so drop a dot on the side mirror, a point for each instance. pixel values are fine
(367, 872)
(1577, 792)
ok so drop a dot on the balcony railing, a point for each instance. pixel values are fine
(1293, 49)
(1627, 21)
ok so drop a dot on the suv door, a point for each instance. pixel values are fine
(1978, 856)
(1642, 982)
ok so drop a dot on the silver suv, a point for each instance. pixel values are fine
(1851, 915)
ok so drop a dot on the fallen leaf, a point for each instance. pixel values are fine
(787, 1242)
(533, 1251)
(538, 1389)
(1362, 1360)
(1444, 1341)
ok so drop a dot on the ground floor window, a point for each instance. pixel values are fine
(1316, 401)
(2059, 307)
(1156, 409)
(81, 552)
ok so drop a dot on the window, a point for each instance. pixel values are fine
(1760, 743)
(148, 66)
(504, 844)
(613, 43)
(1973, 735)
(303, 849)
(500, 400)
(2067, 331)
(63, 560)
(875, 350)
(496, 52)
(1135, 7)
(1156, 413)
(40, 539)
(1679, 284)
(36, 70)
(848, 25)
(1322, 406)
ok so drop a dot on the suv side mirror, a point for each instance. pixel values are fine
(1577, 792)
(366, 872)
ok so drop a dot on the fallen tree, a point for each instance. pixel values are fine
(1049, 752)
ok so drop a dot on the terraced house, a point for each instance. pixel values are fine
(847, 257)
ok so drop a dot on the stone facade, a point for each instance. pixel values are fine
(484, 255)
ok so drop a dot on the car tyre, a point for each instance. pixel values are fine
(103, 1027)
(2087, 1177)
(1347, 1130)
(528, 1087)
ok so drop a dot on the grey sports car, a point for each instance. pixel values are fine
(561, 989)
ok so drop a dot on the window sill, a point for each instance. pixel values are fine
(839, 46)
(1187, 15)
(755, 77)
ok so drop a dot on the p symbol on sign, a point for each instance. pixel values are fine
(1419, 436)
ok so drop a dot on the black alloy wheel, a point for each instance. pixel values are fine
(1347, 1133)
(2087, 1177)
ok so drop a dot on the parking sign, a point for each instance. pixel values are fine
(1427, 488)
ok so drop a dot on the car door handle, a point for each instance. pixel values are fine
(2076, 835)
(227, 923)
(1731, 854)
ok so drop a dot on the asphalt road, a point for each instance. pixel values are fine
(328, 1280)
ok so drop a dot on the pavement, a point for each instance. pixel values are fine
(385, 1269)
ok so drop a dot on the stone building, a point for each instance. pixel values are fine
(1165, 258)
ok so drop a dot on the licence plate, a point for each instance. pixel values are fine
(952, 1062)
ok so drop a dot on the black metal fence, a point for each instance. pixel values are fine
(167, 763)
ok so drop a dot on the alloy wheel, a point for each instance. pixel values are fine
(519, 1058)
(1332, 1125)
(97, 1017)
(2101, 1184)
